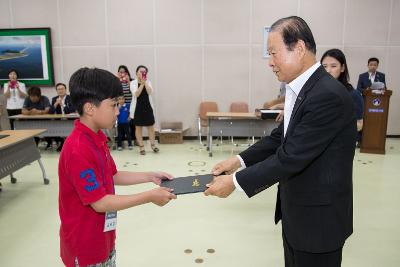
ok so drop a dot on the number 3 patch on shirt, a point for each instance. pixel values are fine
(90, 177)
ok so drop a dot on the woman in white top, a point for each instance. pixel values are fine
(15, 92)
(141, 110)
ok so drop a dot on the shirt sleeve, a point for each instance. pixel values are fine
(6, 87)
(27, 103)
(86, 177)
(22, 87)
(46, 102)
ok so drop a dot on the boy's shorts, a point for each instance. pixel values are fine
(110, 262)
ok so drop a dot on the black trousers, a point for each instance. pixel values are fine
(124, 131)
(296, 258)
(12, 112)
(132, 129)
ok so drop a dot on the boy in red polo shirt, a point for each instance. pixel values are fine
(87, 173)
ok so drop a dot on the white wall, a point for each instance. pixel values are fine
(207, 49)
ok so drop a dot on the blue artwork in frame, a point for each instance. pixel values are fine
(29, 52)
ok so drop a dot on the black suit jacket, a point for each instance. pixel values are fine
(364, 81)
(67, 109)
(313, 165)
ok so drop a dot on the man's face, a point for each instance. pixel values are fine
(61, 90)
(372, 66)
(106, 113)
(285, 64)
(34, 98)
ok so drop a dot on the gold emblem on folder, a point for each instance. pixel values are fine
(195, 183)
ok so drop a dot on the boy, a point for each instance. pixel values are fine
(123, 123)
(87, 174)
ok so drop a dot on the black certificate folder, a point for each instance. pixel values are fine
(189, 184)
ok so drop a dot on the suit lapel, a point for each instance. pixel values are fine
(303, 94)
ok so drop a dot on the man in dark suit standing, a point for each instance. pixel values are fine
(367, 78)
(310, 154)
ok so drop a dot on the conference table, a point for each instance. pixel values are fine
(225, 124)
(57, 125)
(18, 149)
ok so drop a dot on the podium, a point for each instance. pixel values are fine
(376, 110)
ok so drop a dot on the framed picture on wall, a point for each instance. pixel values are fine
(266, 31)
(29, 52)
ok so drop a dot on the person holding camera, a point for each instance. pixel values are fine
(141, 110)
(15, 92)
(125, 78)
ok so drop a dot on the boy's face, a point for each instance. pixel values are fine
(105, 115)
(121, 100)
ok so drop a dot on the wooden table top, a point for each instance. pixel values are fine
(45, 116)
(234, 115)
(16, 136)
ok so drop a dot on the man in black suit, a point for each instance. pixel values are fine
(310, 154)
(60, 104)
(367, 78)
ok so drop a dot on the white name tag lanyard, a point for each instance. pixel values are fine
(110, 218)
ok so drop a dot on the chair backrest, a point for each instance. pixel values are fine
(206, 106)
(241, 107)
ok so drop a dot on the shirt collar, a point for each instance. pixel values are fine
(299, 82)
(99, 139)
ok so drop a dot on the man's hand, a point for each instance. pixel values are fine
(58, 102)
(280, 116)
(228, 166)
(157, 177)
(161, 196)
(222, 186)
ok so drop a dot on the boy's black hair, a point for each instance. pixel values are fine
(93, 86)
(373, 59)
(35, 91)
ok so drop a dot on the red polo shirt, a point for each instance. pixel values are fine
(85, 171)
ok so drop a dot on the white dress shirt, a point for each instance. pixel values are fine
(372, 76)
(15, 101)
(292, 91)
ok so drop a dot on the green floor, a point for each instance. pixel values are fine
(239, 231)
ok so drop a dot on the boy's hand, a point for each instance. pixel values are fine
(156, 177)
(161, 196)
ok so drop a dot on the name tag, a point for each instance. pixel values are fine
(110, 222)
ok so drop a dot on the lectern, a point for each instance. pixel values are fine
(376, 110)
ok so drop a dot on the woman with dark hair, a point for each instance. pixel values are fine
(334, 62)
(15, 92)
(141, 110)
(125, 79)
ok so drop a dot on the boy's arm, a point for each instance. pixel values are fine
(159, 196)
(131, 178)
